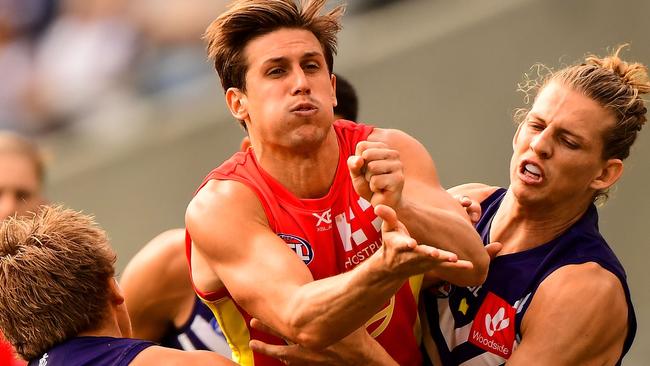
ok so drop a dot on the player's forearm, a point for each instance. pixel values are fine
(325, 311)
(449, 231)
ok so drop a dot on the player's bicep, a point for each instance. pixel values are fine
(421, 182)
(256, 266)
(563, 327)
(416, 160)
(266, 271)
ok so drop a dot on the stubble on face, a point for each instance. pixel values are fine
(289, 89)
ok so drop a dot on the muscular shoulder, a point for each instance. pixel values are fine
(218, 197)
(576, 310)
(225, 207)
(418, 164)
(392, 137)
(576, 280)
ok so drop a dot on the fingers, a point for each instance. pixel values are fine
(381, 161)
(356, 167)
(459, 264)
(389, 182)
(279, 352)
(493, 249)
(447, 256)
(362, 146)
(377, 173)
(473, 208)
(389, 216)
(439, 254)
(400, 242)
(383, 169)
(257, 324)
(463, 200)
(272, 350)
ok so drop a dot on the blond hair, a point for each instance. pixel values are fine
(228, 35)
(55, 268)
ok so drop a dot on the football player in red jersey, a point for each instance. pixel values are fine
(556, 294)
(160, 267)
(275, 63)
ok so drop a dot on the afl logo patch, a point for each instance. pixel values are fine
(300, 246)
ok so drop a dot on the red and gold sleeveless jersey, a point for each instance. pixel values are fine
(331, 235)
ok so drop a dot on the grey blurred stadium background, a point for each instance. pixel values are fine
(133, 117)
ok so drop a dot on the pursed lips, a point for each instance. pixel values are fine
(304, 109)
(303, 106)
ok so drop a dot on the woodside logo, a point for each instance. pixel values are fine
(493, 329)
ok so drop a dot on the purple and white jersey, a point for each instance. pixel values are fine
(480, 326)
(200, 332)
(92, 351)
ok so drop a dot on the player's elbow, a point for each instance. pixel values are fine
(310, 333)
(313, 341)
(481, 266)
(474, 276)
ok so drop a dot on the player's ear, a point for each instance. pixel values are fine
(237, 103)
(115, 292)
(608, 175)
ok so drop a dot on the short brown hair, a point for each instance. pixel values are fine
(228, 35)
(11, 143)
(55, 268)
(615, 85)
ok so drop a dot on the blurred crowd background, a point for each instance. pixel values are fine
(120, 95)
(83, 66)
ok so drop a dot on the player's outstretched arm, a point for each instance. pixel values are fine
(156, 285)
(234, 246)
(563, 327)
(395, 169)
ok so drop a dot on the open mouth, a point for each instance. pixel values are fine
(531, 172)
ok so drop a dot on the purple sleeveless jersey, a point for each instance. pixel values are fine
(200, 332)
(481, 325)
(92, 351)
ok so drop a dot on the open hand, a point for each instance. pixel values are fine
(401, 253)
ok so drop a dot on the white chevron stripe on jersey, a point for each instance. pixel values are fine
(208, 335)
(185, 342)
(446, 321)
